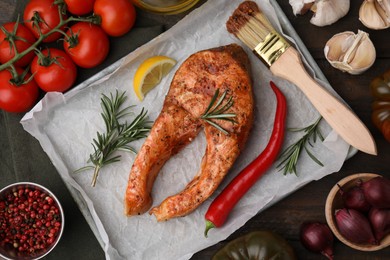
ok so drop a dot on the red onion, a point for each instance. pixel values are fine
(380, 222)
(317, 237)
(377, 192)
(354, 199)
(354, 226)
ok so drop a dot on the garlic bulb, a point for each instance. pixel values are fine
(349, 52)
(301, 6)
(329, 11)
(375, 14)
(326, 12)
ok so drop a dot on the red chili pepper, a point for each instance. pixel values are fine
(222, 205)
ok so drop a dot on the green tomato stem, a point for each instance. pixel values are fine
(92, 19)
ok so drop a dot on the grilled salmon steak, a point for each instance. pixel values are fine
(194, 84)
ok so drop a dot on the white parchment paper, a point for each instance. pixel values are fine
(66, 124)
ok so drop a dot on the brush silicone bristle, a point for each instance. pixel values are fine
(253, 28)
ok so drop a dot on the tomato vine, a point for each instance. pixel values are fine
(94, 19)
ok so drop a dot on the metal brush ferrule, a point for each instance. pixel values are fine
(271, 48)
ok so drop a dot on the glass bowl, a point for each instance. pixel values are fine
(165, 6)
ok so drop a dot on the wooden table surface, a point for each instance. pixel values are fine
(22, 158)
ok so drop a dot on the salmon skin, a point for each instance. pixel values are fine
(226, 68)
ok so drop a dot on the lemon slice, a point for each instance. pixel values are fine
(150, 73)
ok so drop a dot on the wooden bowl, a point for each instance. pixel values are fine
(334, 202)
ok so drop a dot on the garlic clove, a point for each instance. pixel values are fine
(327, 12)
(336, 45)
(363, 58)
(301, 6)
(375, 14)
(349, 52)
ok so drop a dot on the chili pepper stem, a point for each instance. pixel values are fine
(209, 225)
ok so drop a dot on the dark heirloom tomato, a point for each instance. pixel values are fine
(87, 44)
(257, 245)
(23, 40)
(380, 89)
(15, 98)
(48, 12)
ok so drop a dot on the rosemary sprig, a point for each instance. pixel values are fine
(289, 157)
(217, 111)
(117, 135)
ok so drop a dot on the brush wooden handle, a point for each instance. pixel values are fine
(289, 66)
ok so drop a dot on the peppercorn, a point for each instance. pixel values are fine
(29, 221)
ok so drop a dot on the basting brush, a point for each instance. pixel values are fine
(252, 27)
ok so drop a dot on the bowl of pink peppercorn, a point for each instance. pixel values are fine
(31, 221)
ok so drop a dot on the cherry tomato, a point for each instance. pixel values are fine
(78, 7)
(54, 70)
(87, 44)
(17, 99)
(48, 12)
(118, 16)
(7, 52)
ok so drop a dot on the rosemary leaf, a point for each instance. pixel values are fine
(220, 128)
(288, 159)
(118, 135)
(313, 157)
(220, 100)
(212, 102)
(224, 116)
(216, 110)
